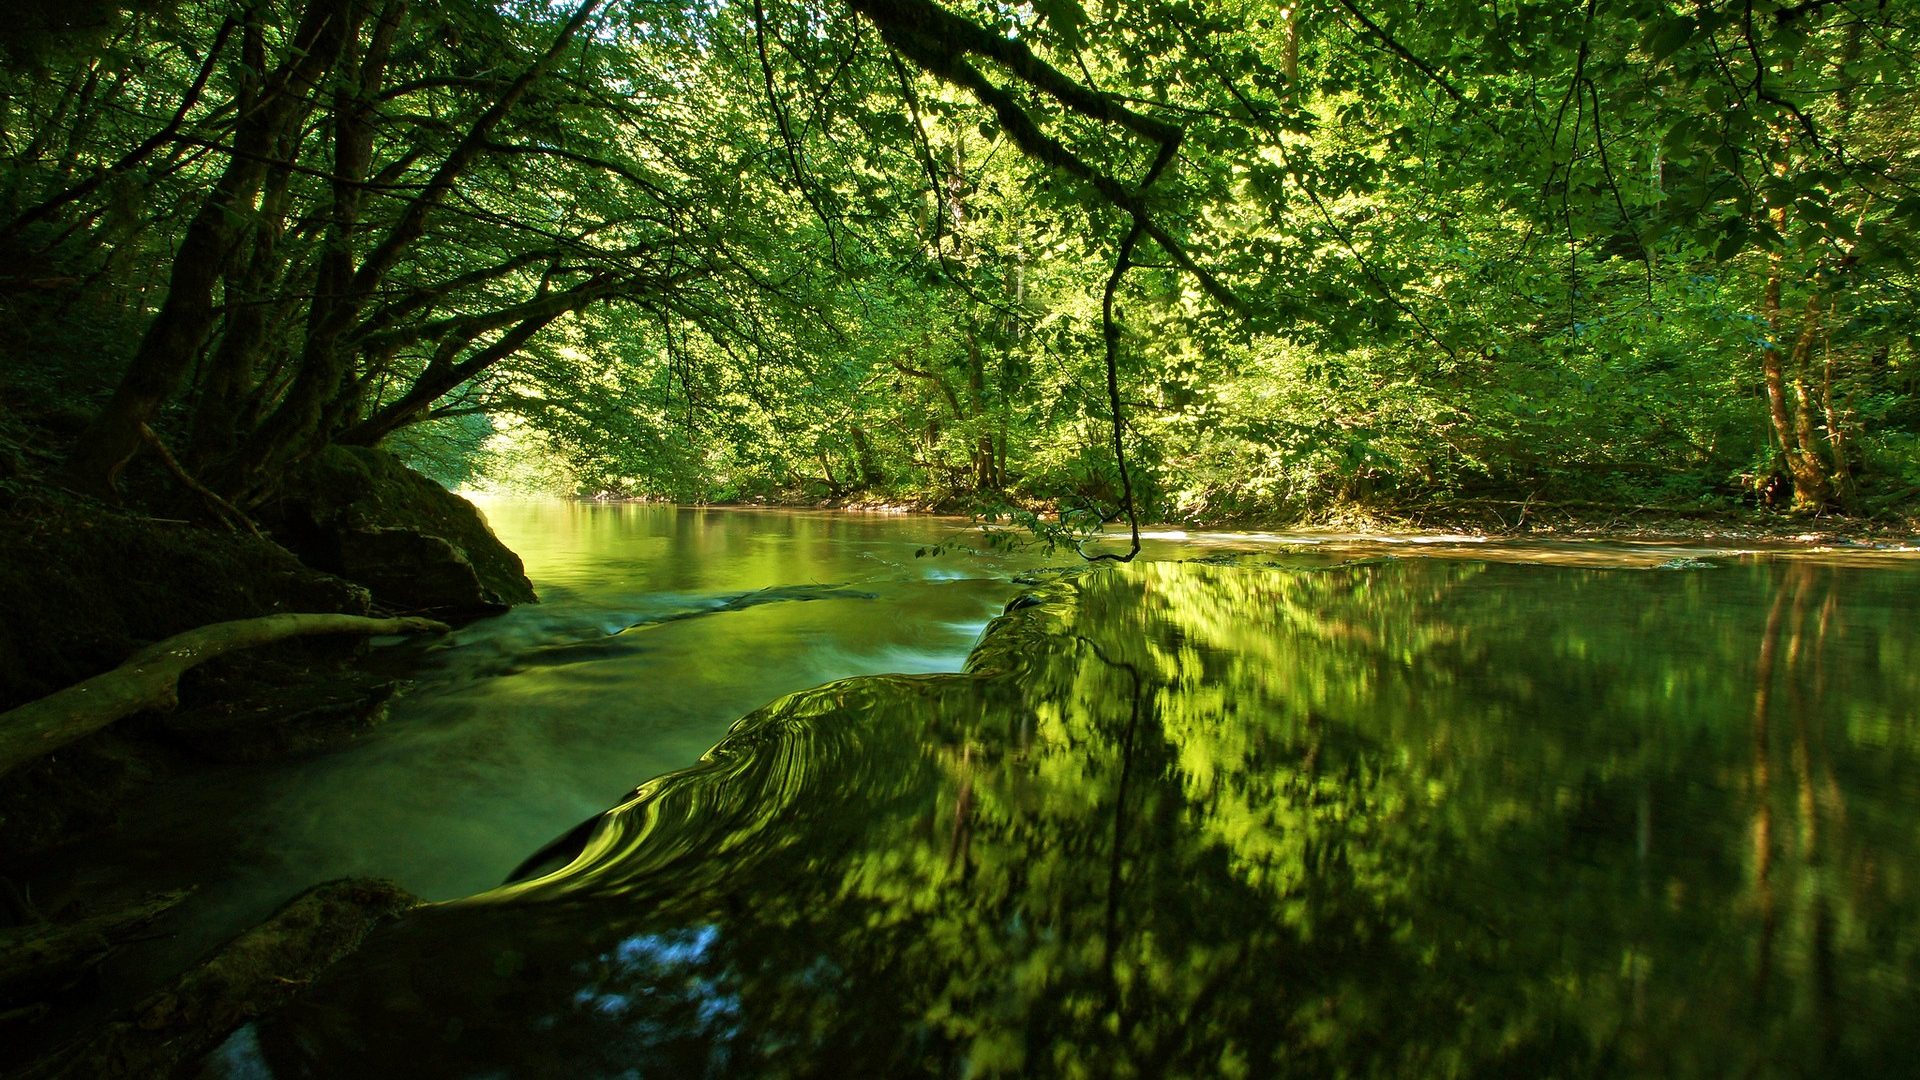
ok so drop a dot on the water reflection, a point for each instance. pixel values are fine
(658, 626)
(1405, 818)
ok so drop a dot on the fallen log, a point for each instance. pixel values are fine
(150, 678)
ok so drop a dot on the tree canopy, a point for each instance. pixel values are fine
(1217, 258)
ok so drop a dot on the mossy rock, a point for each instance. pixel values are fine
(253, 975)
(86, 585)
(358, 512)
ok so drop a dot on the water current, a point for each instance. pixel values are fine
(658, 627)
(1346, 808)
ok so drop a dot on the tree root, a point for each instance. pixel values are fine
(150, 678)
(223, 510)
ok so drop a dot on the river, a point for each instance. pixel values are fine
(515, 728)
(1351, 804)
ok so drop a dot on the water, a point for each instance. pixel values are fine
(1404, 816)
(521, 726)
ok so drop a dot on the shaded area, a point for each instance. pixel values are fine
(358, 512)
(86, 586)
(510, 731)
(1395, 818)
(254, 973)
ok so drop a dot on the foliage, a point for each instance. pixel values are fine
(1377, 254)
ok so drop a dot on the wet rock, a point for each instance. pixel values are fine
(249, 708)
(251, 976)
(42, 959)
(417, 571)
(358, 512)
(86, 585)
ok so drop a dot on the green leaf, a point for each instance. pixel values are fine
(1667, 36)
(1732, 241)
(1067, 19)
(1819, 213)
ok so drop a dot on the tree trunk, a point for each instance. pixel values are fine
(187, 317)
(325, 370)
(1792, 412)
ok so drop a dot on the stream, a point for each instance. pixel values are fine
(1310, 805)
(658, 627)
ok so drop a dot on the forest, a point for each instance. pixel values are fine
(300, 297)
(1214, 260)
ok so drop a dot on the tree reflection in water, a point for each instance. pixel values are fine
(1392, 818)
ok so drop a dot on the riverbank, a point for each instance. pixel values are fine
(93, 588)
(1492, 519)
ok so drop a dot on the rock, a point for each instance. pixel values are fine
(86, 585)
(414, 570)
(358, 512)
(251, 976)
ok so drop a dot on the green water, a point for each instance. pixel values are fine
(1406, 817)
(515, 728)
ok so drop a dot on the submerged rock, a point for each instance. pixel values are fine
(358, 512)
(778, 594)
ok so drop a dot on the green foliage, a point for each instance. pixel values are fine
(1404, 254)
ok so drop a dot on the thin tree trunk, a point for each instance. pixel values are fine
(1790, 413)
(1835, 415)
